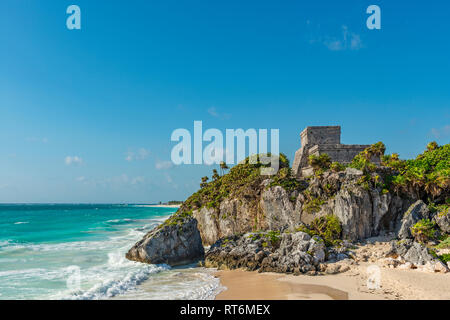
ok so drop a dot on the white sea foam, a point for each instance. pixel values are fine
(21, 222)
(112, 284)
(120, 221)
(104, 271)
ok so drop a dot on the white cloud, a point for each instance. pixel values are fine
(137, 180)
(141, 154)
(216, 114)
(163, 165)
(441, 132)
(168, 178)
(355, 42)
(346, 40)
(73, 160)
(212, 111)
(81, 179)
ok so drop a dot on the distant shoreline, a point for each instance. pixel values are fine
(161, 205)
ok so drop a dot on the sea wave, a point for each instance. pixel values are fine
(112, 287)
(31, 270)
(120, 221)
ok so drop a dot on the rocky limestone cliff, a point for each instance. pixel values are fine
(363, 212)
(173, 243)
(361, 203)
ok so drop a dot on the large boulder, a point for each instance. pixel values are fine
(267, 251)
(411, 251)
(417, 211)
(175, 242)
(442, 219)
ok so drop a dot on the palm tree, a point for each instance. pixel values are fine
(223, 167)
(375, 150)
(204, 182)
(215, 175)
(432, 146)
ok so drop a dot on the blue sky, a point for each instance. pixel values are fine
(86, 115)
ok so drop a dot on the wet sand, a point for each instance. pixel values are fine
(352, 285)
(242, 285)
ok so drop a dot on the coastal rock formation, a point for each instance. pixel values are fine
(272, 252)
(417, 255)
(174, 243)
(301, 221)
(417, 211)
(411, 251)
(443, 220)
(363, 212)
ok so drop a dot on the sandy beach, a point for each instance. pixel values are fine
(352, 285)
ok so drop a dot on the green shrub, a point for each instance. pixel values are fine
(424, 230)
(426, 176)
(445, 257)
(337, 167)
(319, 163)
(363, 160)
(313, 205)
(327, 227)
(444, 244)
(241, 181)
(285, 179)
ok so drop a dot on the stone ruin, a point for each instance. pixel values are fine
(319, 140)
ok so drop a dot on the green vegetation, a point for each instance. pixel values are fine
(424, 230)
(313, 205)
(337, 167)
(215, 175)
(363, 160)
(204, 182)
(176, 219)
(427, 176)
(271, 237)
(174, 202)
(319, 163)
(223, 167)
(444, 244)
(240, 182)
(445, 257)
(327, 227)
(441, 209)
(285, 179)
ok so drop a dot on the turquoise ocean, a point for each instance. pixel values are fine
(77, 251)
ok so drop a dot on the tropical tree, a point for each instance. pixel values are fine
(223, 167)
(432, 146)
(215, 175)
(204, 182)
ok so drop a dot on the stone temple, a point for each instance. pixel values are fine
(319, 140)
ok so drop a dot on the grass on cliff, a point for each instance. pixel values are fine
(242, 181)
